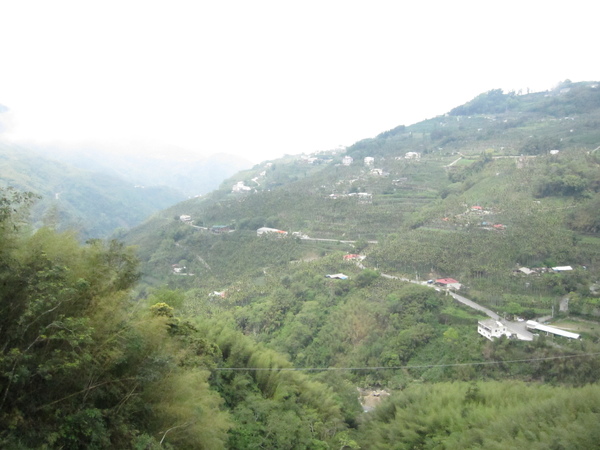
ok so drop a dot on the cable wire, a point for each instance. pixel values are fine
(419, 366)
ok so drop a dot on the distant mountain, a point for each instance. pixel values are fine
(149, 164)
(92, 203)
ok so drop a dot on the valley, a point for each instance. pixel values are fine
(365, 297)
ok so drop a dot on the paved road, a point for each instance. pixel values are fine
(518, 328)
(472, 304)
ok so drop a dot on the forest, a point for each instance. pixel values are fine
(85, 366)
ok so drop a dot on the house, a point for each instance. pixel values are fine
(177, 269)
(351, 257)
(533, 325)
(378, 172)
(526, 270)
(185, 218)
(491, 329)
(220, 229)
(240, 187)
(369, 161)
(412, 155)
(448, 283)
(347, 160)
(476, 208)
(266, 230)
(562, 268)
(337, 276)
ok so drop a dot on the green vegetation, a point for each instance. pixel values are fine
(220, 338)
(90, 203)
(485, 415)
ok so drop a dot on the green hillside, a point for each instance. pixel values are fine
(329, 336)
(533, 175)
(93, 204)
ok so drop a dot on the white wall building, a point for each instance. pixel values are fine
(240, 187)
(347, 160)
(492, 329)
(266, 230)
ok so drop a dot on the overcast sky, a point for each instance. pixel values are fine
(265, 78)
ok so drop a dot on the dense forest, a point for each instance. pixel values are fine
(84, 366)
(193, 330)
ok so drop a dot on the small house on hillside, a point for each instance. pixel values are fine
(185, 218)
(240, 187)
(562, 268)
(412, 155)
(347, 160)
(448, 283)
(220, 229)
(492, 329)
(337, 276)
(274, 231)
(369, 161)
(351, 257)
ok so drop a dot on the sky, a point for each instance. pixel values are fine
(261, 79)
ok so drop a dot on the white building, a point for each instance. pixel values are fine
(491, 329)
(412, 155)
(266, 230)
(347, 160)
(369, 161)
(240, 187)
(533, 325)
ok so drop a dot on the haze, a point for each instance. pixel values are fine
(265, 78)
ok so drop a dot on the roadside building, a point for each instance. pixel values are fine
(275, 231)
(533, 325)
(448, 283)
(492, 329)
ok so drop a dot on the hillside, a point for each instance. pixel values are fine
(532, 175)
(266, 313)
(149, 164)
(91, 203)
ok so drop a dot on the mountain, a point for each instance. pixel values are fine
(269, 308)
(527, 167)
(473, 198)
(149, 164)
(91, 203)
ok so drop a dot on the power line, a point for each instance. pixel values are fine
(419, 366)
